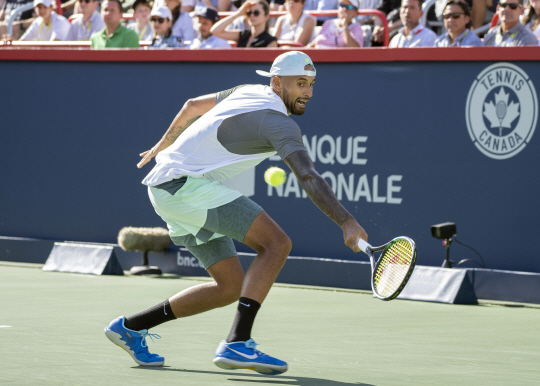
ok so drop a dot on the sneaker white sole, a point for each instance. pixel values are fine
(117, 340)
(228, 364)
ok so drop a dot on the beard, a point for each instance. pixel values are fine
(291, 105)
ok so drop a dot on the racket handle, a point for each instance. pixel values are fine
(364, 246)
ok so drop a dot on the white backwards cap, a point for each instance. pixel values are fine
(291, 63)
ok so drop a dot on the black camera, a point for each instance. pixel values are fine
(443, 231)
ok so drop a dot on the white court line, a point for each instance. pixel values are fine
(5, 326)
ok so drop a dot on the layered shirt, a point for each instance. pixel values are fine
(516, 36)
(467, 38)
(420, 36)
(145, 33)
(57, 29)
(211, 42)
(332, 35)
(83, 31)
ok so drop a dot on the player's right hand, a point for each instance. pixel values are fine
(352, 231)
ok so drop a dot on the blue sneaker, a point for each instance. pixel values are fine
(134, 342)
(243, 355)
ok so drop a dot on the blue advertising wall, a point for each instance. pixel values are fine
(405, 145)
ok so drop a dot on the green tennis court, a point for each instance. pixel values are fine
(328, 337)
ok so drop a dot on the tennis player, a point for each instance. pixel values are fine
(215, 137)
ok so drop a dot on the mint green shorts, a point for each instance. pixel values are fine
(204, 216)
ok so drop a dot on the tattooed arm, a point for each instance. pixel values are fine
(193, 109)
(321, 194)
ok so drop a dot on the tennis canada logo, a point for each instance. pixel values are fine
(501, 111)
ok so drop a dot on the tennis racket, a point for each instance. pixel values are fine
(393, 268)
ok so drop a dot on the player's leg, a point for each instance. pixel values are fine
(273, 247)
(224, 290)
(130, 332)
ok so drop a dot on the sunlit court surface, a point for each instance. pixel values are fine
(52, 334)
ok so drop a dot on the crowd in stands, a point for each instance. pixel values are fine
(196, 24)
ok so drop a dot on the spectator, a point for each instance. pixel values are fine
(70, 8)
(257, 12)
(241, 23)
(532, 18)
(343, 31)
(413, 33)
(326, 5)
(368, 4)
(481, 12)
(511, 32)
(277, 5)
(391, 9)
(296, 25)
(187, 5)
(207, 17)
(311, 5)
(200, 4)
(114, 35)
(87, 23)
(161, 19)
(219, 5)
(182, 22)
(142, 27)
(5, 11)
(457, 20)
(48, 25)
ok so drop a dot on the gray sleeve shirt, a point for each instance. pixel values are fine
(260, 131)
(516, 36)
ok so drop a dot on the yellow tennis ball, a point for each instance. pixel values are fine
(275, 176)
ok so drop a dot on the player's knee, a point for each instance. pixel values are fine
(287, 245)
(282, 247)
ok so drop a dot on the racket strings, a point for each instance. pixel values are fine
(393, 267)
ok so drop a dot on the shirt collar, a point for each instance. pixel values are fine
(459, 39)
(93, 17)
(415, 30)
(104, 33)
(515, 28)
(91, 20)
(201, 39)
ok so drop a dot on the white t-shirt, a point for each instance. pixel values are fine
(183, 28)
(80, 31)
(211, 42)
(290, 31)
(161, 3)
(536, 31)
(248, 124)
(57, 29)
(144, 34)
(420, 36)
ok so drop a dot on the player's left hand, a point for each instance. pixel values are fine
(147, 156)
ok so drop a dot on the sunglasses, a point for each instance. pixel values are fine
(453, 15)
(87, 1)
(254, 13)
(513, 6)
(348, 6)
(159, 20)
